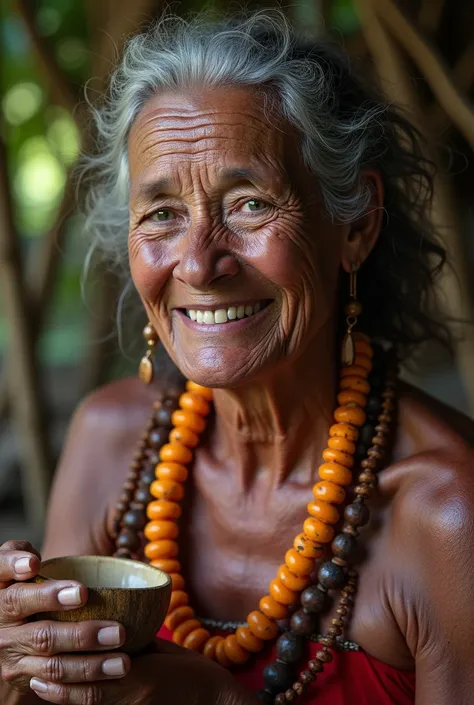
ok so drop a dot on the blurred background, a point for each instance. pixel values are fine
(58, 342)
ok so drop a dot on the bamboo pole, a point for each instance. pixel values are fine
(463, 78)
(455, 282)
(42, 271)
(390, 67)
(431, 65)
(41, 268)
(123, 20)
(57, 81)
(19, 389)
(430, 15)
(23, 382)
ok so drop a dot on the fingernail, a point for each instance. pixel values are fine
(109, 636)
(39, 686)
(70, 597)
(23, 565)
(113, 667)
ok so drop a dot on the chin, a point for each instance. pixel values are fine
(215, 371)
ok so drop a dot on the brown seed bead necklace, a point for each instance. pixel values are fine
(293, 577)
(279, 676)
(130, 511)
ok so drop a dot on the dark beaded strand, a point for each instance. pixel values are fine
(130, 514)
(315, 599)
(356, 515)
(324, 655)
(131, 517)
(332, 574)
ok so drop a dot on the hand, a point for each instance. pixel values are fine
(48, 650)
(170, 675)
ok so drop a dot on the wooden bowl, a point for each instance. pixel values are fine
(125, 591)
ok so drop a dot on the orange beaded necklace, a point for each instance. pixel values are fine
(293, 576)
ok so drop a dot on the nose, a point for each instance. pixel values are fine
(203, 263)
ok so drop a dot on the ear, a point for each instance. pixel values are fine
(361, 235)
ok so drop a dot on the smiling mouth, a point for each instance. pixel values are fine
(225, 315)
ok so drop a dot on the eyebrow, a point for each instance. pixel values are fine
(235, 173)
(232, 174)
(150, 189)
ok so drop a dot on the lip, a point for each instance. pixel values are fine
(232, 326)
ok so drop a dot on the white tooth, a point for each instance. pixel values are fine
(232, 313)
(240, 311)
(220, 316)
(199, 316)
(257, 308)
(208, 317)
(248, 310)
(192, 314)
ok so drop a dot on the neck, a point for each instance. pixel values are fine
(278, 426)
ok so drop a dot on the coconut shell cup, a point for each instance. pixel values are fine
(129, 592)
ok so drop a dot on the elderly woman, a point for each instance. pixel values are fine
(275, 206)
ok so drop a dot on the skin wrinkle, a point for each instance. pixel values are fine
(144, 191)
(253, 472)
(210, 251)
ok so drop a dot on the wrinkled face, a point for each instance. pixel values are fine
(230, 250)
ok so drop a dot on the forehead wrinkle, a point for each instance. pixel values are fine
(151, 148)
(265, 174)
(210, 115)
(252, 141)
(149, 128)
(167, 144)
(159, 135)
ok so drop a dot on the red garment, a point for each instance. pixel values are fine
(352, 678)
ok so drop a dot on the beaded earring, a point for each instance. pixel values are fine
(352, 310)
(146, 369)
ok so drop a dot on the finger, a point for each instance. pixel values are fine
(19, 546)
(94, 694)
(69, 668)
(47, 638)
(16, 564)
(20, 600)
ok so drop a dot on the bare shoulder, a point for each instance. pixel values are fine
(433, 458)
(430, 491)
(429, 564)
(109, 422)
(103, 435)
(428, 421)
(121, 407)
(121, 403)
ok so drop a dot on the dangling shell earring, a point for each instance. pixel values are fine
(146, 370)
(352, 310)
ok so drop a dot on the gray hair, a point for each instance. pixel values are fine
(343, 122)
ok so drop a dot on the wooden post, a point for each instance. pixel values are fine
(123, 19)
(456, 301)
(425, 57)
(56, 80)
(22, 377)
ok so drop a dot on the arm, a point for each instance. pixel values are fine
(100, 445)
(91, 470)
(76, 521)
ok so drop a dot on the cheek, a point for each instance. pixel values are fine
(300, 264)
(151, 264)
(305, 266)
